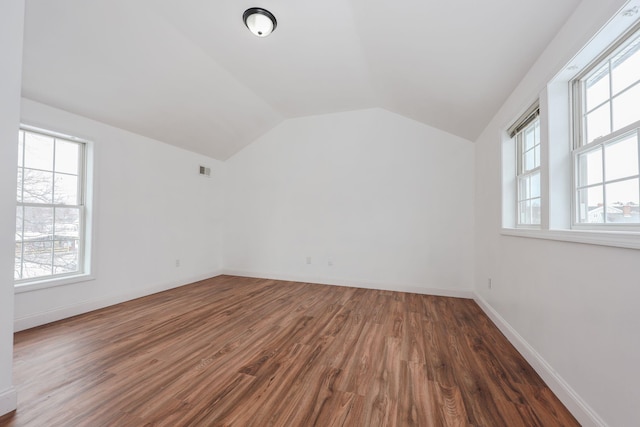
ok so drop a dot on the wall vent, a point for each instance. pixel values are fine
(205, 171)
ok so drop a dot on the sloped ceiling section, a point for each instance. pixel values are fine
(187, 72)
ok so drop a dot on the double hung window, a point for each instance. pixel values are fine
(526, 132)
(50, 217)
(571, 161)
(606, 138)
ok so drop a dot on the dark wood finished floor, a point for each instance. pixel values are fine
(253, 352)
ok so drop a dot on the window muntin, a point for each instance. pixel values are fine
(606, 155)
(608, 181)
(528, 172)
(50, 214)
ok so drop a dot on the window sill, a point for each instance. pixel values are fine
(619, 239)
(50, 283)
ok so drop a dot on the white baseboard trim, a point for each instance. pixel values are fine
(576, 405)
(8, 401)
(86, 306)
(456, 293)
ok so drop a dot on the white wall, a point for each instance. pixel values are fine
(151, 208)
(387, 200)
(575, 305)
(11, 25)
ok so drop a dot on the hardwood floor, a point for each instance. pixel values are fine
(254, 352)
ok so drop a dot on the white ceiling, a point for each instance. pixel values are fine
(187, 72)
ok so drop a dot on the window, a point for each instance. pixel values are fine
(50, 216)
(587, 188)
(526, 132)
(606, 136)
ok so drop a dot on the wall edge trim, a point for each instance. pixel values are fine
(38, 319)
(455, 293)
(567, 395)
(8, 401)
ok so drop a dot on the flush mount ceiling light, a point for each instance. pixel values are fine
(259, 21)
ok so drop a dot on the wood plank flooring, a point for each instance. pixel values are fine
(253, 352)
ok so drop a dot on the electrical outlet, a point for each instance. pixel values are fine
(177, 263)
(489, 283)
(308, 260)
(330, 263)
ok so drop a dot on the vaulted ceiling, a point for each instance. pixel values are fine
(189, 73)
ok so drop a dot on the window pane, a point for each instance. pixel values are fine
(535, 185)
(19, 220)
(626, 108)
(67, 223)
(529, 138)
(67, 157)
(38, 186)
(66, 189)
(625, 67)
(598, 123)
(38, 223)
(20, 147)
(535, 211)
(590, 167)
(529, 160)
(37, 259)
(537, 155)
(597, 87)
(590, 209)
(525, 212)
(621, 158)
(17, 269)
(38, 151)
(622, 201)
(523, 192)
(65, 257)
(19, 186)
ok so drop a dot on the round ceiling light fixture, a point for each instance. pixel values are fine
(259, 21)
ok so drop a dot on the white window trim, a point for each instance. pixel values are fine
(619, 239)
(511, 169)
(88, 273)
(20, 288)
(521, 174)
(556, 155)
(580, 145)
(602, 142)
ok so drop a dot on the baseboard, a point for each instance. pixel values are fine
(86, 306)
(578, 407)
(8, 401)
(354, 284)
(574, 403)
(60, 313)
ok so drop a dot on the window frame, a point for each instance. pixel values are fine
(523, 174)
(579, 142)
(557, 140)
(516, 134)
(84, 184)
